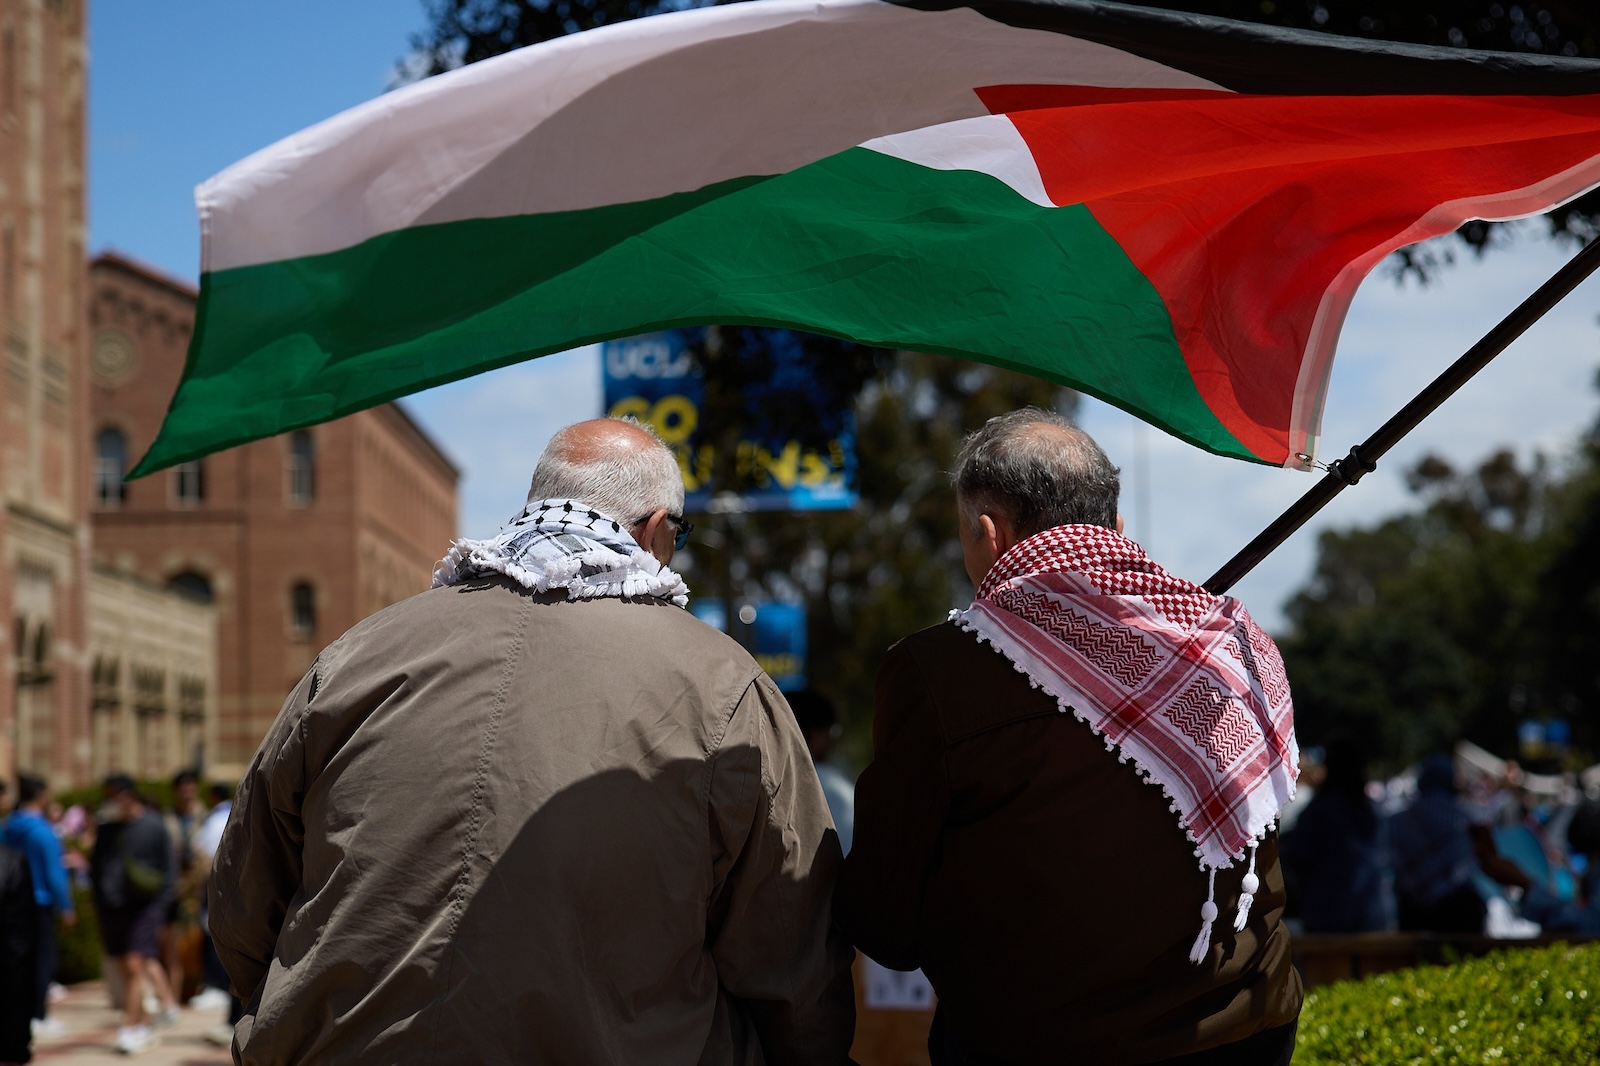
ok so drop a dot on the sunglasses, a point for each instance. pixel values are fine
(685, 527)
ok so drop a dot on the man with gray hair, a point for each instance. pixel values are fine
(1072, 781)
(539, 814)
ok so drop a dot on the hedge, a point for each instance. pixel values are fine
(157, 791)
(79, 945)
(1534, 1005)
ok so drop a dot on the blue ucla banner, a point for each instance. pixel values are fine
(654, 378)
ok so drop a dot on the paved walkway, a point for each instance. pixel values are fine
(91, 1033)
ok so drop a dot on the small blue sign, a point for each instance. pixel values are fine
(778, 641)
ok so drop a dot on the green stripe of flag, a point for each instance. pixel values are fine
(861, 245)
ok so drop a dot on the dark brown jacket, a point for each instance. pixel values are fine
(494, 827)
(1047, 892)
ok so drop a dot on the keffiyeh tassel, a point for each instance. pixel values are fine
(1208, 915)
(1247, 893)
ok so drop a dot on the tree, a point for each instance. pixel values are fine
(1567, 598)
(893, 565)
(465, 31)
(1461, 619)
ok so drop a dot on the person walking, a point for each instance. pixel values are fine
(19, 911)
(133, 876)
(182, 937)
(30, 832)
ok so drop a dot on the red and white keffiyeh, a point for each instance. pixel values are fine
(1180, 681)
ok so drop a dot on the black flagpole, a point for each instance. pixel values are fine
(1363, 458)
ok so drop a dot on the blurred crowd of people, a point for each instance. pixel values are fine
(143, 870)
(1457, 844)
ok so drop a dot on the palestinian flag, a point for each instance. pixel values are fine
(1167, 211)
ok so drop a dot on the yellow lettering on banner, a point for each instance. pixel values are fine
(673, 417)
(814, 471)
(695, 465)
(780, 664)
(631, 407)
(785, 467)
(704, 462)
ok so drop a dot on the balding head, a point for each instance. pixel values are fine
(1039, 471)
(613, 465)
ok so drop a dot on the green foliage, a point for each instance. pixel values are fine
(892, 565)
(79, 945)
(1524, 1005)
(465, 31)
(157, 793)
(1459, 619)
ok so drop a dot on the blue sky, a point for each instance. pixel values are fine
(180, 89)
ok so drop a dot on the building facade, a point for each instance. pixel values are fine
(152, 678)
(44, 696)
(293, 539)
(157, 624)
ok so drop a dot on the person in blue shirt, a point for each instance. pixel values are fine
(30, 832)
(1337, 851)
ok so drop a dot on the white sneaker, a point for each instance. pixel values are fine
(48, 1028)
(1502, 923)
(210, 999)
(132, 1039)
(165, 1019)
(57, 993)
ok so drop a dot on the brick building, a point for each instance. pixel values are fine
(294, 539)
(44, 696)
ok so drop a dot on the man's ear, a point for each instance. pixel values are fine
(653, 538)
(998, 533)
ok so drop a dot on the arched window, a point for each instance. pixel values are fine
(33, 653)
(191, 584)
(303, 610)
(189, 483)
(302, 467)
(110, 464)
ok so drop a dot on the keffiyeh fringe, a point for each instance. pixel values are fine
(1054, 604)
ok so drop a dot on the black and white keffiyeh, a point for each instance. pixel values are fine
(566, 546)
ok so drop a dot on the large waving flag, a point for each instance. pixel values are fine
(1167, 211)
